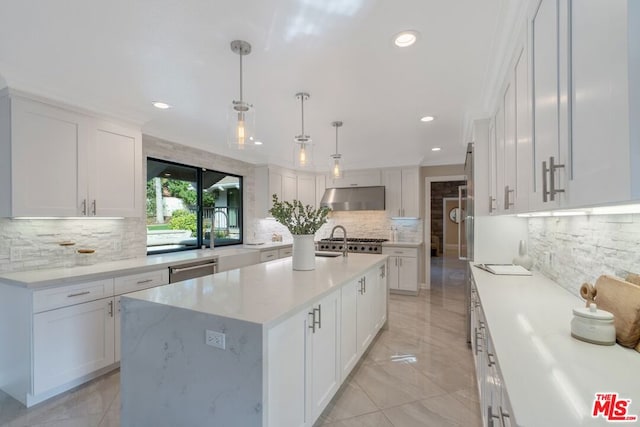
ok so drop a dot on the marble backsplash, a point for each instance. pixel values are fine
(574, 250)
(370, 224)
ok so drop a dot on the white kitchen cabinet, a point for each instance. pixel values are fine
(306, 190)
(402, 269)
(117, 333)
(285, 252)
(355, 178)
(71, 342)
(605, 73)
(402, 192)
(286, 184)
(524, 152)
(268, 255)
(307, 348)
(549, 146)
(508, 186)
(492, 165)
(363, 313)
(287, 372)
(324, 351)
(64, 163)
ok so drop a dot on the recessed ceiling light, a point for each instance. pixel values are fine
(436, 149)
(427, 119)
(405, 38)
(257, 142)
(161, 105)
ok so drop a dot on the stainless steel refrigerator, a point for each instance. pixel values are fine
(465, 231)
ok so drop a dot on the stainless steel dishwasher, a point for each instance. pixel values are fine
(192, 270)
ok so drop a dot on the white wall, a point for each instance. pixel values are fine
(585, 247)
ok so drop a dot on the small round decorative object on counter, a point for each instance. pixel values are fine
(86, 256)
(593, 326)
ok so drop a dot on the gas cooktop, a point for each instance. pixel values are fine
(354, 244)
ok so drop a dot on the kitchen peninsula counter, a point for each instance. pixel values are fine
(290, 339)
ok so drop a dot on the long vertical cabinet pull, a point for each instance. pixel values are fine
(507, 197)
(552, 178)
(505, 419)
(545, 192)
(84, 207)
(491, 201)
(111, 308)
(491, 416)
(93, 207)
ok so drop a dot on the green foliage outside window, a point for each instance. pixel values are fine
(183, 220)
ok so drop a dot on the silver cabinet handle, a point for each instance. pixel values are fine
(545, 192)
(383, 271)
(491, 416)
(319, 316)
(178, 270)
(315, 322)
(490, 204)
(78, 294)
(361, 282)
(491, 359)
(93, 207)
(505, 418)
(111, 308)
(84, 207)
(364, 284)
(400, 260)
(552, 178)
(478, 338)
(507, 202)
(140, 282)
(118, 306)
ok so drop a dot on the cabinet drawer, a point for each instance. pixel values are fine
(285, 252)
(408, 252)
(136, 282)
(268, 255)
(48, 299)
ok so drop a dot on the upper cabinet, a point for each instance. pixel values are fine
(62, 163)
(604, 79)
(286, 184)
(549, 144)
(355, 178)
(402, 192)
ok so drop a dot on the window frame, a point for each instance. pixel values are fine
(200, 241)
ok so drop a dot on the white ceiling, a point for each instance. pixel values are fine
(117, 56)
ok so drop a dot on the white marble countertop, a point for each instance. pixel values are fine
(267, 245)
(551, 378)
(402, 244)
(263, 293)
(62, 276)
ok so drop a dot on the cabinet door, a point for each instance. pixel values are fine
(376, 283)
(365, 317)
(275, 187)
(500, 156)
(325, 356)
(492, 167)
(289, 187)
(286, 372)
(307, 190)
(509, 189)
(546, 102)
(392, 181)
(115, 183)
(524, 154)
(48, 160)
(393, 272)
(410, 193)
(601, 160)
(117, 349)
(348, 327)
(408, 274)
(320, 188)
(72, 342)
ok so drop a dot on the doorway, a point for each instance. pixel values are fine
(437, 189)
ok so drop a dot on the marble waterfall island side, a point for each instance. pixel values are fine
(290, 339)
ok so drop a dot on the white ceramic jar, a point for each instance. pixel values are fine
(592, 325)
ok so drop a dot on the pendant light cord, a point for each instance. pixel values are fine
(302, 109)
(240, 77)
(336, 139)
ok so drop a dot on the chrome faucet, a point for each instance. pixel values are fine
(344, 238)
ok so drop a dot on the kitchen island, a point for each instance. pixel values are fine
(258, 346)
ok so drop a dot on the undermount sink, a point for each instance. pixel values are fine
(328, 254)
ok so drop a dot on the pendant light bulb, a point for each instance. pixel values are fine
(303, 147)
(336, 171)
(242, 117)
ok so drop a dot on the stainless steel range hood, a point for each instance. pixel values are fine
(354, 198)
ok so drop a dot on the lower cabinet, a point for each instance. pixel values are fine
(71, 342)
(312, 352)
(494, 401)
(403, 269)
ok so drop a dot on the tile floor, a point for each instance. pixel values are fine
(418, 372)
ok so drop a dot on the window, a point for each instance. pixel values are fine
(187, 206)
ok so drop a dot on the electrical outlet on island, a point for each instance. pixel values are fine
(215, 339)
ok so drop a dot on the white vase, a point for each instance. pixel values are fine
(523, 257)
(304, 252)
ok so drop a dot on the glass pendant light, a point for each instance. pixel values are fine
(242, 114)
(336, 171)
(303, 148)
